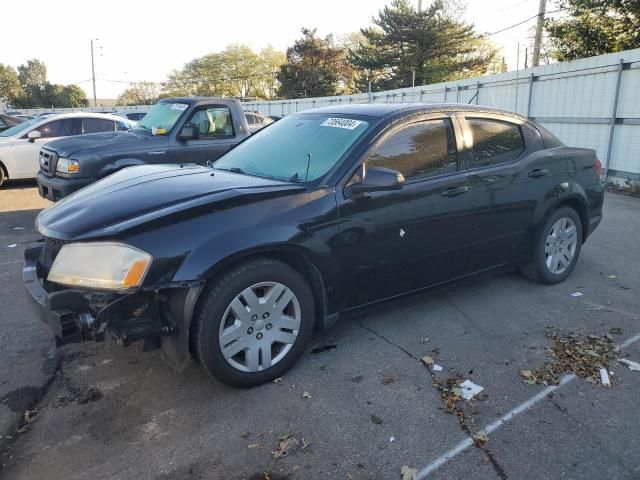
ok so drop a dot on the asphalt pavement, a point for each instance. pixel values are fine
(360, 404)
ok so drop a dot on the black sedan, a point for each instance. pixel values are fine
(322, 213)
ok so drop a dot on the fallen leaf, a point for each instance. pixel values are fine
(285, 447)
(254, 445)
(408, 473)
(616, 330)
(611, 276)
(357, 379)
(427, 360)
(305, 444)
(376, 419)
(387, 379)
(526, 373)
(479, 439)
(424, 340)
(306, 395)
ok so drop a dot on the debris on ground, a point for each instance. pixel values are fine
(611, 276)
(436, 367)
(13, 245)
(427, 360)
(604, 378)
(306, 395)
(254, 445)
(387, 379)
(470, 389)
(573, 354)
(479, 439)
(376, 419)
(18, 228)
(305, 444)
(615, 330)
(286, 445)
(392, 439)
(357, 379)
(451, 395)
(277, 380)
(577, 294)
(424, 340)
(408, 473)
(323, 348)
(634, 366)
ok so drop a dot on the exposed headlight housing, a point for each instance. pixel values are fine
(66, 165)
(100, 265)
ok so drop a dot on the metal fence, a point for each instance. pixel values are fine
(592, 102)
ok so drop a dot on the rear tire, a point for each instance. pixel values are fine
(253, 323)
(556, 247)
(2, 175)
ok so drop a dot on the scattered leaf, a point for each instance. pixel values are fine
(408, 473)
(387, 379)
(427, 360)
(424, 340)
(305, 444)
(376, 419)
(612, 276)
(306, 395)
(616, 330)
(254, 445)
(479, 439)
(285, 447)
(357, 379)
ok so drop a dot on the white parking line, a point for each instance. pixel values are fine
(9, 263)
(468, 442)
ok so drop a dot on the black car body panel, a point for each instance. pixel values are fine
(102, 154)
(353, 249)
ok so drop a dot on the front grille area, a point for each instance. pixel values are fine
(48, 161)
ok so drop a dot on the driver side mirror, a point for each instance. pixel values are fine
(189, 132)
(378, 179)
(33, 135)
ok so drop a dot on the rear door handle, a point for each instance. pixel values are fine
(455, 191)
(538, 172)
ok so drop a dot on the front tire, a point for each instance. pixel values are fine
(253, 323)
(556, 247)
(2, 175)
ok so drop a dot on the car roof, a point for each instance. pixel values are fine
(196, 100)
(56, 116)
(382, 110)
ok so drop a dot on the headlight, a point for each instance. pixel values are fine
(101, 265)
(66, 165)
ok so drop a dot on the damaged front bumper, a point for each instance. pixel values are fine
(77, 315)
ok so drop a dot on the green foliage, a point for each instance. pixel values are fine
(29, 88)
(431, 44)
(594, 27)
(315, 67)
(141, 93)
(10, 87)
(237, 71)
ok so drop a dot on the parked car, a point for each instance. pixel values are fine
(324, 212)
(133, 116)
(257, 120)
(8, 121)
(275, 118)
(25, 117)
(20, 145)
(190, 130)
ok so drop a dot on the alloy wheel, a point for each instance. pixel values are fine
(561, 244)
(259, 326)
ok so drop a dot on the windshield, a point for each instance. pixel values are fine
(286, 149)
(19, 127)
(162, 117)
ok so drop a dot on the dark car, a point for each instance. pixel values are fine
(8, 121)
(192, 129)
(322, 213)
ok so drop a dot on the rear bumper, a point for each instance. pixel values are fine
(59, 310)
(55, 188)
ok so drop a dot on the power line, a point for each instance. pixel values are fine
(520, 23)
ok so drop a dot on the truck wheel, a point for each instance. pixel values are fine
(556, 247)
(253, 323)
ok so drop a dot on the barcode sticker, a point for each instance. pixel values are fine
(346, 123)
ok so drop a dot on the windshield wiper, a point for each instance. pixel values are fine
(295, 178)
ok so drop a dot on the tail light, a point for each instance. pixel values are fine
(598, 168)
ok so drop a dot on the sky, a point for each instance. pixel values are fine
(145, 40)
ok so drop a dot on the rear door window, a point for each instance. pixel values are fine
(57, 128)
(494, 142)
(419, 150)
(97, 125)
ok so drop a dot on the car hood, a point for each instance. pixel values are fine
(93, 144)
(138, 195)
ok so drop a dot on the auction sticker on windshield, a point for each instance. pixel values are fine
(347, 123)
(179, 106)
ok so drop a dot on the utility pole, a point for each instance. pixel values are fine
(536, 46)
(419, 5)
(93, 76)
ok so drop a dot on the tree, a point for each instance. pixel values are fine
(33, 77)
(141, 93)
(594, 27)
(10, 87)
(72, 96)
(315, 67)
(236, 71)
(405, 46)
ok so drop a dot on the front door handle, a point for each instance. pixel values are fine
(455, 191)
(538, 172)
